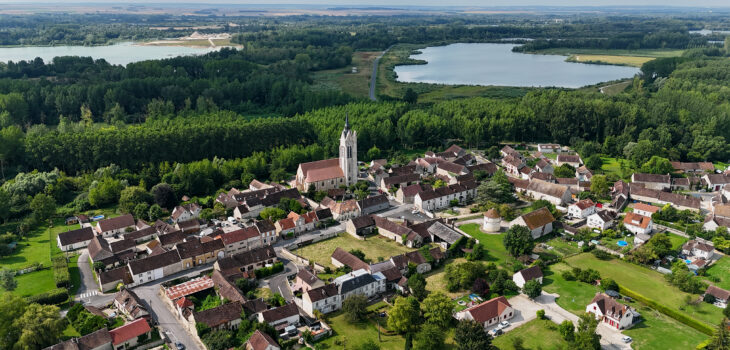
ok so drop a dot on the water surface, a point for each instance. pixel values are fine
(496, 64)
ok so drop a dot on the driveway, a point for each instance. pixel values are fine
(88, 292)
(280, 282)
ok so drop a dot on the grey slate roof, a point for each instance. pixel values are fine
(356, 282)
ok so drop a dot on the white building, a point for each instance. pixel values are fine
(523, 276)
(488, 313)
(614, 314)
(360, 282)
(645, 209)
(601, 220)
(325, 299)
(582, 209)
(553, 193)
(492, 221)
(539, 222)
(154, 267)
(332, 173)
(638, 223)
(75, 239)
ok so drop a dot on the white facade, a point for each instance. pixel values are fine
(348, 153)
(595, 221)
(614, 321)
(492, 224)
(148, 276)
(520, 280)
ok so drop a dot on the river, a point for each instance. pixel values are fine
(496, 64)
(121, 53)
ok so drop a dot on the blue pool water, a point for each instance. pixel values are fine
(688, 261)
(622, 243)
(97, 218)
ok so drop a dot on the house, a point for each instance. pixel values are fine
(525, 275)
(570, 159)
(405, 195)
(324, 299)
(194, 252)
(226, 288)
(699, 248)
(548, 148)
(553, 193)
(342, 211)
(267, 231)
(237, 240)
(154, 267)
(128, 336)
(247, 261)
(360, 282)
(129, 304)
(185, 212)
(169, 240)
(645, 209)
(360, 226)
(488, 313)
(226, 316)
(110, 279)
(582, 209)
(373, 204)
(115, 226)
(399, 181)
(451, 169)
(296, 223)
(601, 220)
(693, 167)
(441, 197)
(526, 172)
(100, 250)
(286, 315)
(638, 223)
(142, 234)
(543, 166)
(652, 181)
(427, 165)
(509, 151)
(99, 340)
(716, 182)
(442, 234)
(392, 230)
(455, 151)
(539, 222)
(640, 193)
(583, 173)
(610, 311)
(403, 261)
(306, 280)
(720, 294)
(332, 173)
(74, 239)
(191, 226)
(547, 177)
(261, 341)
(712, 222)
(512, 165)
(340, 258)
(641, 238)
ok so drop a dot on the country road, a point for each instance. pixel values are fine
(374, 74)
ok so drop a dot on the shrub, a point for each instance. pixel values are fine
(709, 298)
(600, 254)
(268, 271)
(56, 296)
(60, 272)
(541, 314)
(568, 276)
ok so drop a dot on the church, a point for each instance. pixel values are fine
(332, 173)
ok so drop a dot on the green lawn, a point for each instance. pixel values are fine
(351, 336)
(721, 270)
(73, 270)
(35, 283)
(561, 246)
(649, 283)
(613, 166)
(373, 247)
(677, 241)
(612, 243)
(435, 281)
(536, 334)
(574, 295)
(496, 252)
(658, 331)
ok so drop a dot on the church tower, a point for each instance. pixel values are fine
(348, 153)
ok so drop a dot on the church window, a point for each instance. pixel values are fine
(349, 151)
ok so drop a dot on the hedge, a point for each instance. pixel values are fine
(56, 296)
(60, 272)
(681, 317)
(268, 271)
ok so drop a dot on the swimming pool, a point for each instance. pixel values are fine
(622, 243)
(97, 218)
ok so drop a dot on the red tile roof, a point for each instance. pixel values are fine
(189, 287)
(637, 220)
(489, 309)
(129, 331)
(239, 235)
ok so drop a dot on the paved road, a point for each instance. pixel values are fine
(374, 74)
(280, 282)
(88, 292)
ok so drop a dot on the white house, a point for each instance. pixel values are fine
(548, 148)
(325, 299)
(553, 193)
(698, 248)
(75, 239)
(523, 276)
(360, 282)
(155, 267)
(287, 314)
(716, 182)
(441, 197)
(570, 159)
(582, 209)
(600, 220)
(611, 312)
(488, 313)
(539, 222)
(638, 223)
(185, 212)
(114, 226)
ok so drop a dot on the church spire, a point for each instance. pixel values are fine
(347, 121)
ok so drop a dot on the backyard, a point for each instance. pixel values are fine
(721, 272)
(536, 334)
(496, 252)
(436, 281)
(374, 247)
(574, 295)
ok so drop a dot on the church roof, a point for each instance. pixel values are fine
(322, 170)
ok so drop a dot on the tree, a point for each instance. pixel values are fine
(11, 146)
(438, 309)
(5, 205)
(430, 337)
(585, 336)
(405, 315)
(355, 308)
(7, 279)
(565, 170)
(219, 340)
(567, 330)
(532, 289)
(594, 162)
(495, 190)
(417, 285)
(480, 287)
(43, 206)
(374, 153)
(657, 165)
(470, 335)
(12, 308)
(164, 195)
(369, 345)
(40, 326)
(358, 253)
(600, 186)
(410, 96)
(131, 196)
(721, 339)
(272, 214)
(518, 240)
(540, 314)
(155, 212)
(141, 210)
(103, 192)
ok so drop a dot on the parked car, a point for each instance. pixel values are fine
(179, 346)
(504, 324)
(626, 339)
(496, 332)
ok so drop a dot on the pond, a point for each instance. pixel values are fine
(121, 53)
(496, 64)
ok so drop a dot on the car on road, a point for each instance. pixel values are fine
(496, 332)
(626, 339)
(415, 212)
(179, 346)
(504, 324)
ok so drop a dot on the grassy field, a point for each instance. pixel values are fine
(574, 295)
(721, 270)
(536, 334)
(435, 281)
(648, 283)
(609, 52)
(496, 252)
(562, 247)
(342, 79)
(634, 61)
(658, 331)
(373, 247)
(678, 241)
(351, 336)
(615, 88)
(612, 165)
(35, 283)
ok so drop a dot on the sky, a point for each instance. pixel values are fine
(480, 3)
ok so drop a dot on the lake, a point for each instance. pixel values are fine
(121, 53)
(496, 64)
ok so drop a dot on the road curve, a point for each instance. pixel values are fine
(374, 74)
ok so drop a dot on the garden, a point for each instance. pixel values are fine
(374, 247)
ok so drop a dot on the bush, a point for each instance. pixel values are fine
(689, 321)
(268, 271)
(600, 254)
(568, 276)
(56, 296)
(541, 314)
(60, 272)
(709, 298)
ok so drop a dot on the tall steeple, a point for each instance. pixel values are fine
(348, 153)
(347, 121)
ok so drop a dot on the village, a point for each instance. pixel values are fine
(372, 232)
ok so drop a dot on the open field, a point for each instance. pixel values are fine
(496, 252)
(655, 53)
(373, 247)
(574, 295)
(435, 281)
(659, 331)
(721, 270)
(649, 283)
(613, 89)
(35, 283)
(634, 61)
(562, 247)
(612, 165)
(342, 79)
(536, 334)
